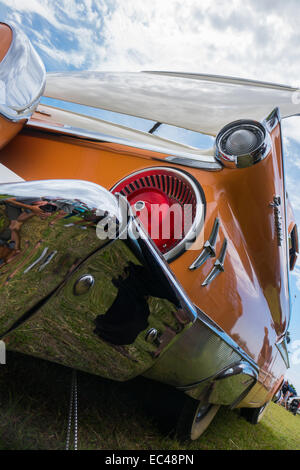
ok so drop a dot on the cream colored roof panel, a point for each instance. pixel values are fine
(200, 103)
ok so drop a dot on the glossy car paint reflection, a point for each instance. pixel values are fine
(240, 276)
(249, 301)
(104, 331)
(22, 81)
(47, 229)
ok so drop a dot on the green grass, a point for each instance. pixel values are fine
(34, 401)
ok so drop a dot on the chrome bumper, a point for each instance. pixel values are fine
(108, 307)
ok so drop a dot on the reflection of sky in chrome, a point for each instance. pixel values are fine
(188, 36)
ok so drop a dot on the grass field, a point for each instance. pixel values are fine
(34, 402)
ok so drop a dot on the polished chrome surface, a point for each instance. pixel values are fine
(272, 120)
(51, 256)
(205, 162)
(196, 103)
(83, 284)
(233, 384)
(198, 221)
(206, 363)
(282, 348)
(208, 248)
(105, 330)
(22, 78)
(218, 266)
(242, 143)
(47, 229)
(196, 162)
(151, 335)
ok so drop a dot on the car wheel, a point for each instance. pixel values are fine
(254, 415)
(194, 419)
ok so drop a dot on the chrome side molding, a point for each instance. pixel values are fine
(218, 266)
(208, 248)
(233, 384)
(159, 153)
(281, 345)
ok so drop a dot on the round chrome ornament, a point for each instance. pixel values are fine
(242, 143)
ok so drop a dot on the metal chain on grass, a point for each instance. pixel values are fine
(73, 410)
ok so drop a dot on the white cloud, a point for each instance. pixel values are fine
(291, 128)
(296, 274)
(228, 38)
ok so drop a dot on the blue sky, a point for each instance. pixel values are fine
(227, 38)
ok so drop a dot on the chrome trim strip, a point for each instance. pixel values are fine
(205, 162)
(271, 120)
(281, 345)
(223, 79)
(275, 115)
(208, 247)
(23, 76)
(195, 163)
(240, 368)
(228, 387)
(218, 266)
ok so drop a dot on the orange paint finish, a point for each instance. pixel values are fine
(8, 130)
(250, 299)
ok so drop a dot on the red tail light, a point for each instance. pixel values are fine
(168, 202)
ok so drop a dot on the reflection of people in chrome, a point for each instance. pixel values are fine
(265, 354)
(284, 390)
(18, 211)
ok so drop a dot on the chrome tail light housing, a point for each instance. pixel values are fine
(242, 143)
(170, 205)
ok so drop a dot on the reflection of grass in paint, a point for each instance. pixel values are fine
(63, 330)
(23, 291)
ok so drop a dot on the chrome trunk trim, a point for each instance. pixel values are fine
(204, 162)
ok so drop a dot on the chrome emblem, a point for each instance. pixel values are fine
(278, 219)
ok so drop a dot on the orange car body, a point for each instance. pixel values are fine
(249, 301)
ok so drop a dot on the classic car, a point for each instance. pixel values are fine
(293, 404)
(127, 253)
